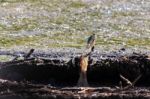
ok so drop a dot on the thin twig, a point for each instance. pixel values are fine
(133, 83)
(120, 83)
(29, 53)
(126, 80)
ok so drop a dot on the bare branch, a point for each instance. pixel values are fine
(29, 53)
(133, 83)
(126, 80)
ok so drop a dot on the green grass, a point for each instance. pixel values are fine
(77, 4)
(8, 41)
(5, 58)
(66, 23)
(124, 14)
(139, 42)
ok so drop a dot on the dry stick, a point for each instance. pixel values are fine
(86, 90)
(18, 56)
(133, 83)
(126, 80)
(120, 83)
(29, 54)
(3, 81)
(15, 58)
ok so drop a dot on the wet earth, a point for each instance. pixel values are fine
(14, 90)
(63, 87)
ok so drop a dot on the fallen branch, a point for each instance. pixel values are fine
(126, 80)
(29, 54)
(86, 90)
(133, 83)
(3, 81)
(24, 56)
(16, 58)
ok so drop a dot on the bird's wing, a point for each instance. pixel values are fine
(89, 39)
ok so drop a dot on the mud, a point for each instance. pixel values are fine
(24, 90)
(54, 76)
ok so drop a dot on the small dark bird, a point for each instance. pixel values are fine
(91, 41)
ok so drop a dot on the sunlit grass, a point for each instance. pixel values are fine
(9, 41)
(4, 58)
(77, 4)
(66, 23)
(139, 42)
(124, 14)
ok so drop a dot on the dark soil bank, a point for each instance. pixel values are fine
(54, 77)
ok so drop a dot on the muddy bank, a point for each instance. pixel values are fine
(103, 69)
(55, 76)
(25, 90)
